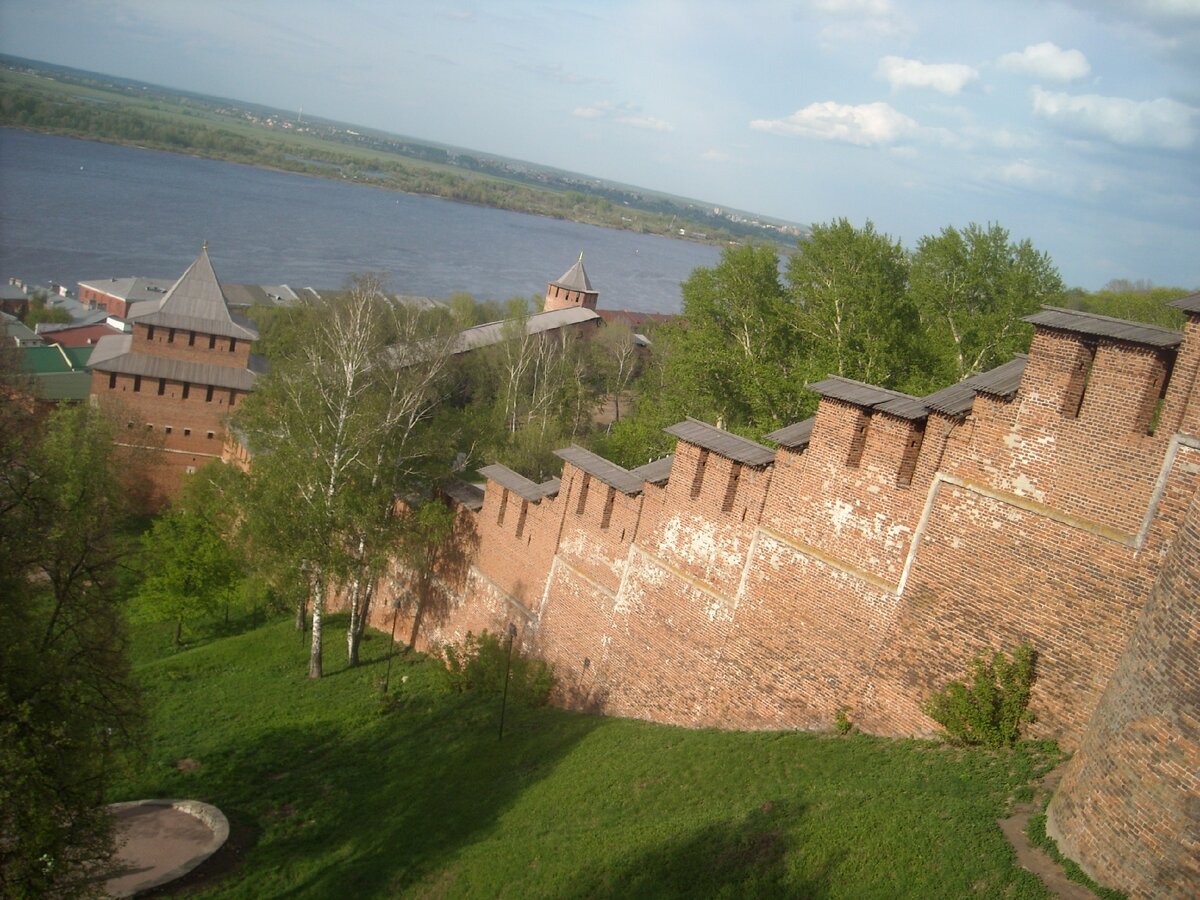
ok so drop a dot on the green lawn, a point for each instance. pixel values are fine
(340, 798)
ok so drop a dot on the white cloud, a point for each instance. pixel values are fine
(648, 122)
(1134, 123)
(870, 124)
(718, 156)
(624, 113)
(1024, 174)
(852, 21)
(853, 7)
(1047, 60)
(947, 78)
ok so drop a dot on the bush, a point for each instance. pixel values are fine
(478, 664)
(992, 708)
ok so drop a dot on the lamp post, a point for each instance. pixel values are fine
(397, 602)
(512, 633)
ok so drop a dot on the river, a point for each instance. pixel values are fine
(74, 210)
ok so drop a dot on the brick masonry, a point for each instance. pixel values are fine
(868, 569)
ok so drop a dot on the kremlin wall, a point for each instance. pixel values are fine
(866, 556)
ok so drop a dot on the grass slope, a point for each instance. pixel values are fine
(346, 799)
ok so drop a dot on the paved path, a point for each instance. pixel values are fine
(161, 840)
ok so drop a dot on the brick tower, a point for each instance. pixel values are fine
(572, 289)
(177, 376)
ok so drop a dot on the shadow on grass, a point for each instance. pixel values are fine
(752, 856)
(374, 813)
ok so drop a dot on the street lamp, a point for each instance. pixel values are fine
(397, 602)
(512, 633)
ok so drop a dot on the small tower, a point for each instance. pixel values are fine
(572, 289)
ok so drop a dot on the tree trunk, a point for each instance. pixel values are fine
(302, 613)
(364, 616)
(354, 631)
(318, 604)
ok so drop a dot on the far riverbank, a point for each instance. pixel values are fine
(83, 210)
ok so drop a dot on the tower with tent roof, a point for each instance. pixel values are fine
(571, 290)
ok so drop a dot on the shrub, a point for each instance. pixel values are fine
(842, 721)
(991, 708)
(477, 665)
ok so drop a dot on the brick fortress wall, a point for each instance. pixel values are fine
(865, 564)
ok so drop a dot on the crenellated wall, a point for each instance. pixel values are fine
(866, 560)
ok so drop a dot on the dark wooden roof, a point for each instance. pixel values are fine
(518, 484)
(575, 278)
(598, 467)
(656, 472)
(468, 495)
(739, 449)
(194, 303)
(115, 354)
(957, 399)
(870, 397)
(1190, 303)
(796, 435)
(1105, 327)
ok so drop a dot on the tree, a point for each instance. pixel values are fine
(190, 569)
(615, 359)
(848, 290)
(68, 703)
(972, 287)
(332, 428)
(733, 358)
(40, 311)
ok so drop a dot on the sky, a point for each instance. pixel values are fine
(1073, 124)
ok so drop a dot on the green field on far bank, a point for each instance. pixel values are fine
(332, 792)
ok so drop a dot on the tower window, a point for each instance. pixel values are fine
(581, 503)
(698, 475)
(731, 486)
(112, 381)
(858, 440)
(1077, 385)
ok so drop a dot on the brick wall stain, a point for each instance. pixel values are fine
(868, 569)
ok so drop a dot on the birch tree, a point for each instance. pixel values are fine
(331, 430)
(972, 287)
(849, 295)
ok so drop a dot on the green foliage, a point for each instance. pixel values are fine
(848, 286)
(40, 311)
(842, 721)
(991, 708)
(478, 665)
(189, 569)
(1132, 302)
(69, 710)
(972, 287)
